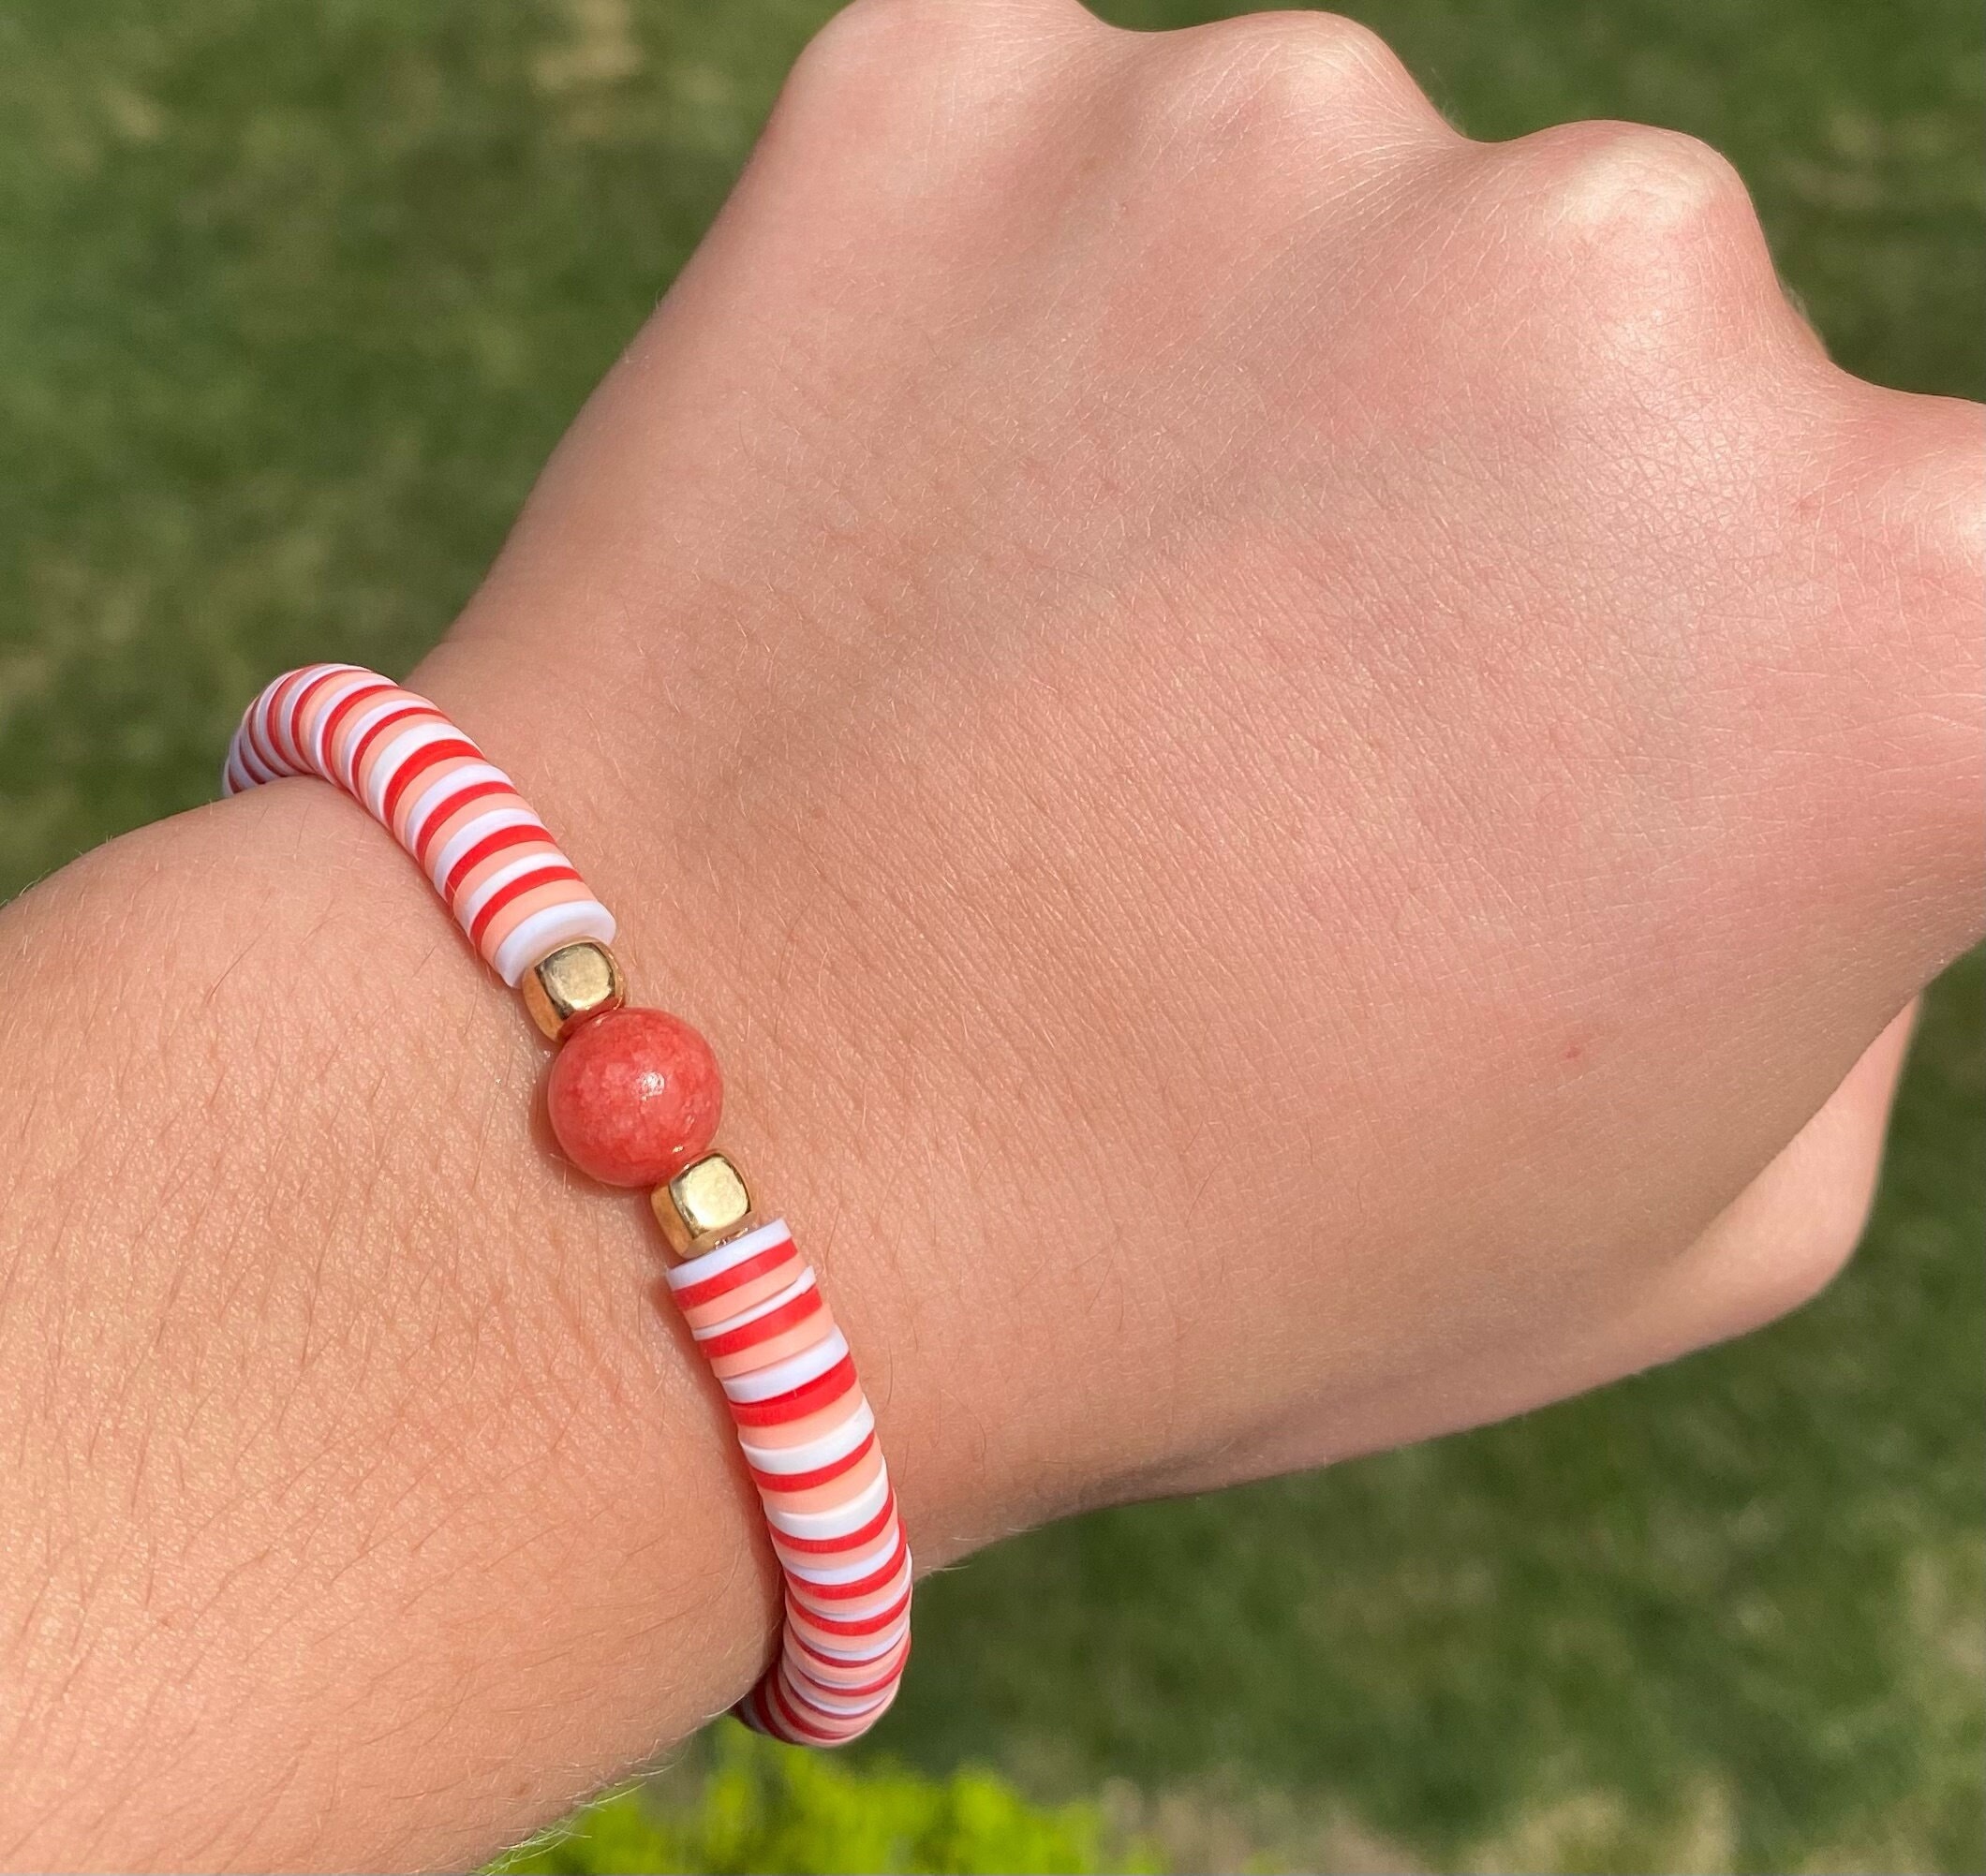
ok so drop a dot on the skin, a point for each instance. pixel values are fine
(1303, 770)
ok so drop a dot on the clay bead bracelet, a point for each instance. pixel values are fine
(634, 1097)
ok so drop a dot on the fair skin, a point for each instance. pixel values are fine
(1303, 770)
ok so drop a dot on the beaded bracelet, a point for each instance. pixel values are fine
(634, 1098)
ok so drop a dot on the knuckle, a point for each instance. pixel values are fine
(888, 44)
(1288, 74)
(1650, 235)
(873, 40)
(851, 45)
(1651, 216)
(1630, 185)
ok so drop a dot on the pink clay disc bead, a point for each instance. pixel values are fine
(635, 1096)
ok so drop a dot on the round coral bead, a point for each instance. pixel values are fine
(634, 1097)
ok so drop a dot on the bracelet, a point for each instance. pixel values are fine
(634, 1098)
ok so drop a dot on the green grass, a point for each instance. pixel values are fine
(761, 1810)
(293, 304)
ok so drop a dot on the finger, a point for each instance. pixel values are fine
(1774, 1247)
(1790, 1231)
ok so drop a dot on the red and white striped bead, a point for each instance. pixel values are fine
(492, 860)
(810, 1439)
(753, 1304)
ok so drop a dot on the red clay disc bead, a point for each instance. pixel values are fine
(635, 1096)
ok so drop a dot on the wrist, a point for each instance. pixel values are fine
(843, 1079)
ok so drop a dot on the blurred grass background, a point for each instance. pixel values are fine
(293, 302)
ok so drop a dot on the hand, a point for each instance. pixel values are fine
(1287, 749)
(1291, 761)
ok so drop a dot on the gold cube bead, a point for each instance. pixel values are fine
(575, 981)
(706, 1203)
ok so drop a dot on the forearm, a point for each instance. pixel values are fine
(365, 1503)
